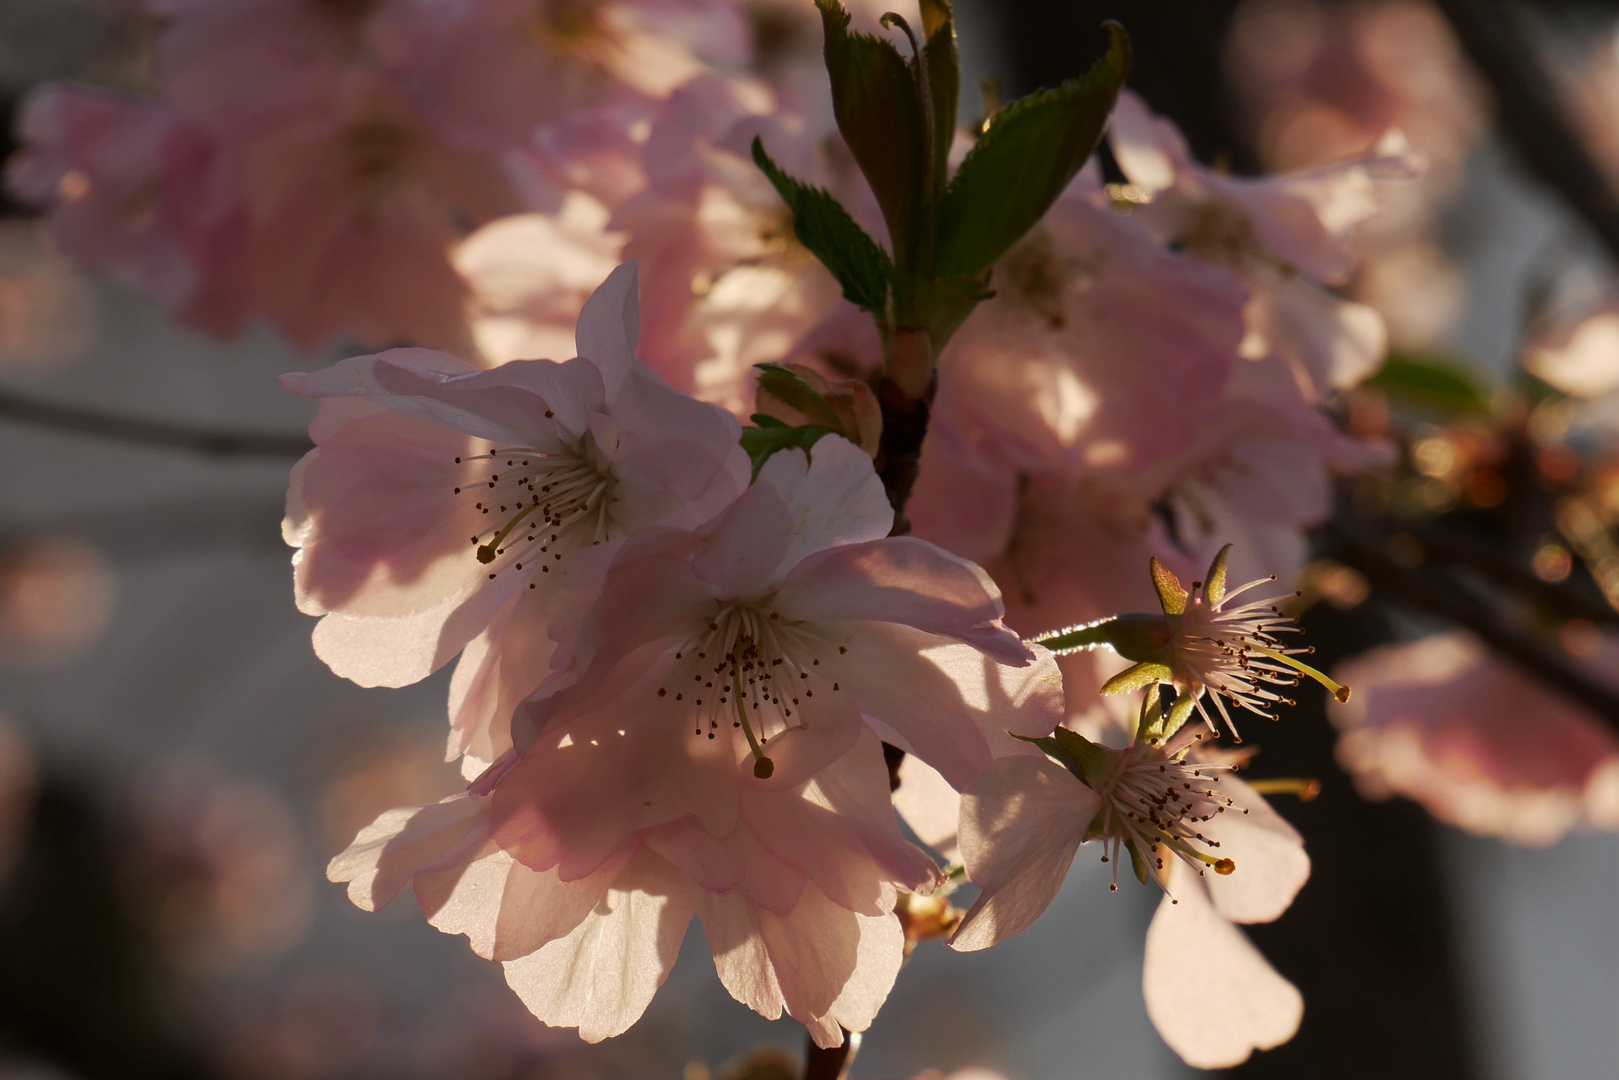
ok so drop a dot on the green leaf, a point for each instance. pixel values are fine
(875, 101)
(826, 229)
(1027, 156)
(761, 442)
(790, 388)
(944, 81)
(1434, 384)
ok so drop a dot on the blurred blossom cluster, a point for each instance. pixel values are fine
(762, 459)
(1323, 81)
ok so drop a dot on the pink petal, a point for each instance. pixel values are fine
(930, 806)
(388, 852)
(902, 580)
(1271, 864)
(610, 327)
(1020, 826)
(601, 977)
(1209, 992)
(943, 701)
(736, 862)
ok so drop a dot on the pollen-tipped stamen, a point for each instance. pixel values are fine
(1338, 690)
(763, 767)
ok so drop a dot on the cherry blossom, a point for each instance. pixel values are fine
(1285, 235)
(1204, 645)
(715, 748)
(446, 508)
(133, 190)
(1212, 997)
(734, 286)
(1478, 744)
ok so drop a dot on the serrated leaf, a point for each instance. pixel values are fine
(761, 442)
(1170, 593)
(826, 229)
(875, 101)
(791, 388)
(1026, 157)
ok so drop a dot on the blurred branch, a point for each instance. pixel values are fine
(1531, 112)
(830, 1063)
(1449, 601)
(1496, 564)
(212, 442)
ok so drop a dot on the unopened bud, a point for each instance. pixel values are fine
(850, 400)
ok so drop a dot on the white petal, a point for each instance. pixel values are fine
(601, 977)
(1209, 992)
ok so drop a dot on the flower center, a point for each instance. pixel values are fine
(1154, 801)
(749, 669)
(567, 25)
(1235, 654)
(539, 506)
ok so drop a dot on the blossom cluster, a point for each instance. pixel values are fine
(687, 658)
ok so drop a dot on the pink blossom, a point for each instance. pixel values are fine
(544, 466)
(132, 190)
(1284, 235)
(590, 952)
(715, 749)
(1480, 745)
(1081, 355)
(734, 285)
(1211, 996)
(530, 274)
(354, 205)
(492, 71)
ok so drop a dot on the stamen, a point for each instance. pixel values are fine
(1339, 691)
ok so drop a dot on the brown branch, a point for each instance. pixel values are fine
(829, 1063)
(1403, 584)
(1531, 112)
(163, 434)
(1497, 565)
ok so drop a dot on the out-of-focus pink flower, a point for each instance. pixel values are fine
(1283, 235)
(718, 752)
(489, 72)
(57, 595)
(353, 206)
(220, 862)
(733, 286)
(1176, 818)
(446, 508)
(529, 276)
(134, 191)
(1478, 744)
(1081, 357)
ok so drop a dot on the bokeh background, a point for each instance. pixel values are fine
(176, 766)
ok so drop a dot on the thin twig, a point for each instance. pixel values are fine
(212, 442)
(1531, 111)
(1405, 585)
